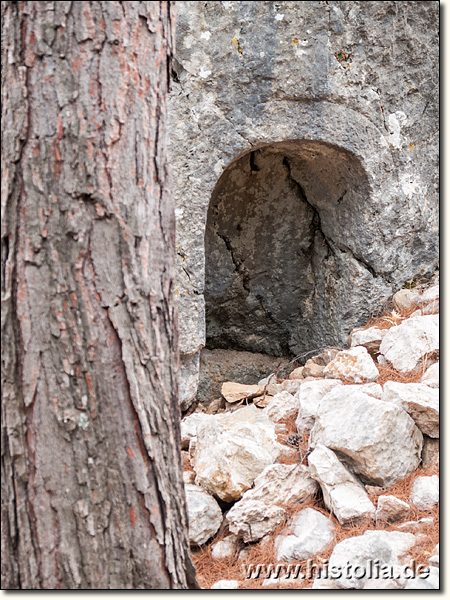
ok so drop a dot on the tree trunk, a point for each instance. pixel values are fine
(92, 487)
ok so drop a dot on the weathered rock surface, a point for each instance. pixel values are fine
(376, 440)
(371, 389)
(431, 309)
(429, 295)
(416, 527)
(189, 428)
(188, 380)
(309, 397)
(282, 406)
(431, 582)
(434, 560)
(217, 366)
(354, 365)
(390, 509)
(370, 338)
(296, 373)
(204, 515)
(342, 493)
(253, 519)
(311, 533)
(291, 385)
(420, 401)
(405, 344)
(312, 369)
(431, 376)
(232, 450)
(405, 299)
(386, 546)
(232, 92)
(430, 451)
(325, 357)
(282, 484)
(188, 477)
(226, 548)
(425, 492)
(235, 392)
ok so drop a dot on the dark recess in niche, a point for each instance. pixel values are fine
(274, 280)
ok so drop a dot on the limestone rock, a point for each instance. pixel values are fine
(215, 406)
(226, 548)
(188, 477)
(431, 376)
(419, 400)
(225, 584)
(312, 393)
(283, 484)
(431, 309)
(189, 427)
(390, 508)
(232, 450)
(253, 519)
(274, 388)
(219, 365)
(312, 369)
(234, 392)
(355, 365)
(266, 380)
(430, 451)
(371, 389)
(405, 299)
(376, 440)
(370, 338)
(204, 515)
(385, 546)
(309, 397)
(429, 295)
(282, 406)
(431, 582)
(434, 561)
(297, 373)
(263, 401)
(342, 493)
(356, 171)
(189, 377)
(311, 533)
(405, 344)
(416, 527)
(325, 357)
(291, 385)
(425, 492)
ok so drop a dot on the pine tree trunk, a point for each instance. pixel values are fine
(92, 490)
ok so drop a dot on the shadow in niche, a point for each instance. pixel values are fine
(278, 271)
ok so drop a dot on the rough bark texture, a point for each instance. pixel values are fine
(92, 484)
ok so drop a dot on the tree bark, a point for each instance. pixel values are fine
(92, 488)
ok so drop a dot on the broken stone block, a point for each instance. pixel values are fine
(342, 493)
(234, 392)
(405, 344)
(204, 514)
(355, 365)
(376, 440)
(390, 509)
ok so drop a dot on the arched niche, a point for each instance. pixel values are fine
(279, 277)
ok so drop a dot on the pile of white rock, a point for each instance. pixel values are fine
(361, 435)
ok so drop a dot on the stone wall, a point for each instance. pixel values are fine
(304, 156)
